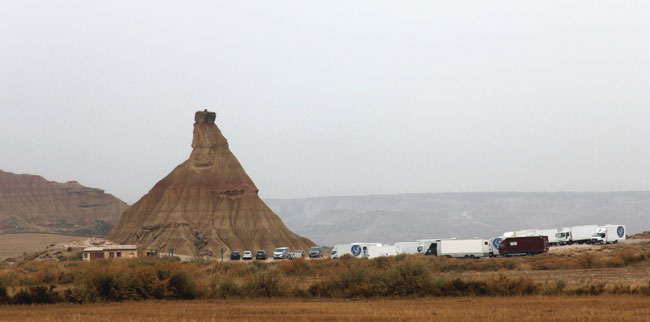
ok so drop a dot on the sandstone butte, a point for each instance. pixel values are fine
(205, 204)
(29, 203)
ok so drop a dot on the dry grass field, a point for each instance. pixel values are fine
(12, 245)
(535, 308)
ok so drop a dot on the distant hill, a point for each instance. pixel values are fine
(29, 203)
(405, 217)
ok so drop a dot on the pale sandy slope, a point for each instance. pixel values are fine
(12, 245)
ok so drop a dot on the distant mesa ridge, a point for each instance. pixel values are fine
(206, 204)
(29, 203)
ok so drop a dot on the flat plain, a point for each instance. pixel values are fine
(531, 308)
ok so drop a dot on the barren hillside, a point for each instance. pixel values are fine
(29, 203)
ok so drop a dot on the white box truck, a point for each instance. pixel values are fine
(608, 234)
(384, 250)
(550, 233)
(576, 234)
(472, 248)
(525, 233)
(340, 250)
(408, 247)
(359, 250)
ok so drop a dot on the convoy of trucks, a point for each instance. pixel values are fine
(512, 243)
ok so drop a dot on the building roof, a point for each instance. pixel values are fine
(110, 247)
(120, 247)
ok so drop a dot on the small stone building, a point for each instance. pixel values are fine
(110, 252)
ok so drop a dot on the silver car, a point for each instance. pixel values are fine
(281, 253)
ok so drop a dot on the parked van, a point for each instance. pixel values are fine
(281, 253)
(316, 252)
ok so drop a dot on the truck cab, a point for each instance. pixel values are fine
(563, 237)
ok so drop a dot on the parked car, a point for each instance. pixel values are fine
(316, 252)
(247, 255)
(261, 255)
(281, 253)
(235, 255)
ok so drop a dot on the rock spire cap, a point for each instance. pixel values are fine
(205, 116)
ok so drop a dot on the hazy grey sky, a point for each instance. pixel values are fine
(331, 97)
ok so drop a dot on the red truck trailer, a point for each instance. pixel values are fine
(531, 245)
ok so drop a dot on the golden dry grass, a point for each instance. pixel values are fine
(12, 245)
(602, 308)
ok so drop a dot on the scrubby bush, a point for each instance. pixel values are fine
(590, 289)
(181, 286)
(556, 288)
(39, 294)
(228, 289)
(4, 297)
(408, 279)
(587, 260)
(295, 267)
(265, 284)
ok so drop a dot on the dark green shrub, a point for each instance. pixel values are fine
(181, 287)
(39, 294)
(4, 297)
(80, 295)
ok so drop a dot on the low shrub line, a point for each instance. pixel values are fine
(141, 279)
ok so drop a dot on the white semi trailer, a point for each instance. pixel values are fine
(408, 247)
(428, 246)
(576, 234)
(608, 234)
(473, 248)
(374, 251)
